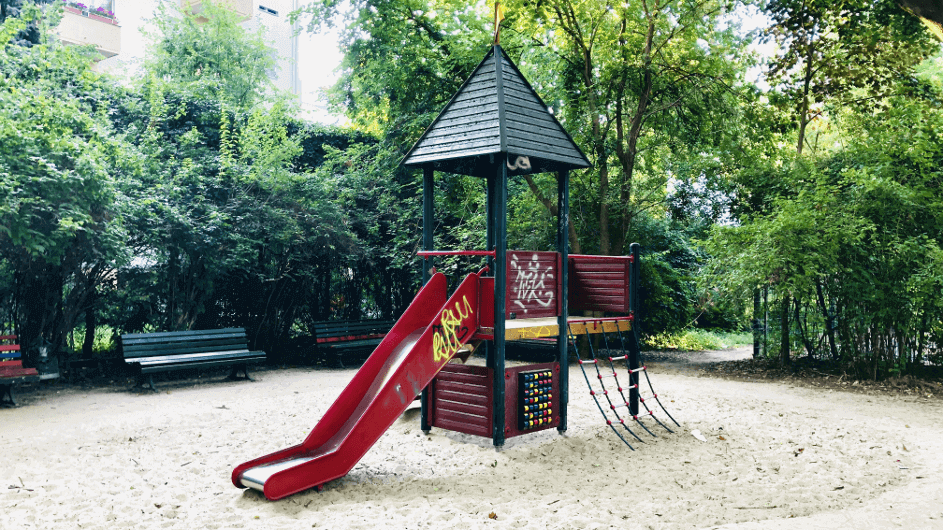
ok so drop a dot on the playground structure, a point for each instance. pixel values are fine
(495, 127)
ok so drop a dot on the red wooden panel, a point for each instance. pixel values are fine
(9, 347)
(465, 408)
(460, 388)
(486, 302)
(511, 397)
(457, 397)
(461, 399)
(597, 266)
(533, 284)
(599, 283)
(460, 377)
(463, 426)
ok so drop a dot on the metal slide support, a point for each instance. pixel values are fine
(563, 220)
(428, 243)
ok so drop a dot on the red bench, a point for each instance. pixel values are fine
(12, 372)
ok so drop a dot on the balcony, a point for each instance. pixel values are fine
(243, 8)
(82, 27)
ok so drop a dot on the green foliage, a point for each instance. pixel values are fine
(208, 55)
(62, 213)
(854, 239)
(697, 340)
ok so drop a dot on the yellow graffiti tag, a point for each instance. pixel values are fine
(446, 341)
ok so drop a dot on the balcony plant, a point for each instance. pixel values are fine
(100, 13)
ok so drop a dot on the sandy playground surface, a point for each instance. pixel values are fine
(775, 456)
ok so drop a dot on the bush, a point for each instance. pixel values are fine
(697, 339)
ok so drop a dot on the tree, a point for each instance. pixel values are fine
(61, 229)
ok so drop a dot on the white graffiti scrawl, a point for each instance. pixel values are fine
(532, 283)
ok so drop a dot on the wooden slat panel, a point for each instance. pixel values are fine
(597, 285)
(475, 399)
(536, 151)
(461, 425)
(466, 378)
(462, 388)
(466, 126)
(435, 157)
(601, 276)
(463, 407)
(459, 146)
(9, 347)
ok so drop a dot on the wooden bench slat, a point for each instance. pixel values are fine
(178, 348)
(235, 354)
(182, 338)
(191, 366)
(162, 334)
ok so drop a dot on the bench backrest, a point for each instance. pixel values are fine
(8, 348)
(351, 330)
(182, 342)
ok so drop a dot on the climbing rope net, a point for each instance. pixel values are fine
(611, 399)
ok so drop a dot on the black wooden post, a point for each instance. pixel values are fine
(490, 245)
(428, 243)
(563, 232)
(500, 297)
(634, 344)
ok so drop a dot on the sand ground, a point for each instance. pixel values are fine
(775, 456)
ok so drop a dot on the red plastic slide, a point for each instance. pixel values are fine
(428, 334)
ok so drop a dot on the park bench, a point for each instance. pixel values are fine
(150, 353)
(337, 338)
(12, 372)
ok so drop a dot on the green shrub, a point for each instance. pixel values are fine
(697, 339)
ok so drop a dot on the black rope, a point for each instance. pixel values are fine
(616, 378)
(634, 338)
(619, 386)
(571, 339)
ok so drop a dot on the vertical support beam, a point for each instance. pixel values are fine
(634, 345)
(428, 221)
(428, 243)
(490, 245)
(756, 323)
(563, 221)
(500, 216)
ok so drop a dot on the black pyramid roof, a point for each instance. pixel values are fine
(496, 111)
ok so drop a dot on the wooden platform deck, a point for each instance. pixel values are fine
(536, 328)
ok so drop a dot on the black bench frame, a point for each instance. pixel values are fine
(149, 353)
(339, 336)
(12, 372)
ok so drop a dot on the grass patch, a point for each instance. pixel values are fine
(698, 339)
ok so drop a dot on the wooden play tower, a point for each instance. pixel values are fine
(496, 127)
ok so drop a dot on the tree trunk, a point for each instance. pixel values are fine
(784, 322)
(829, 320)
(91, 322)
